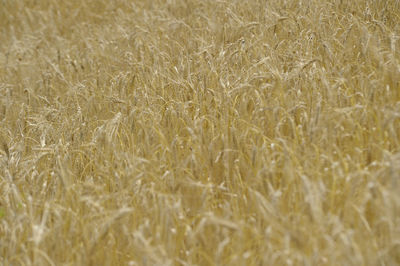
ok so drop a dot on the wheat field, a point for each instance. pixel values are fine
(199, 132)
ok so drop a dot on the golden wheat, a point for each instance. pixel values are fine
(188, 132)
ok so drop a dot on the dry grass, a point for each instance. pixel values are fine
(188, 132)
